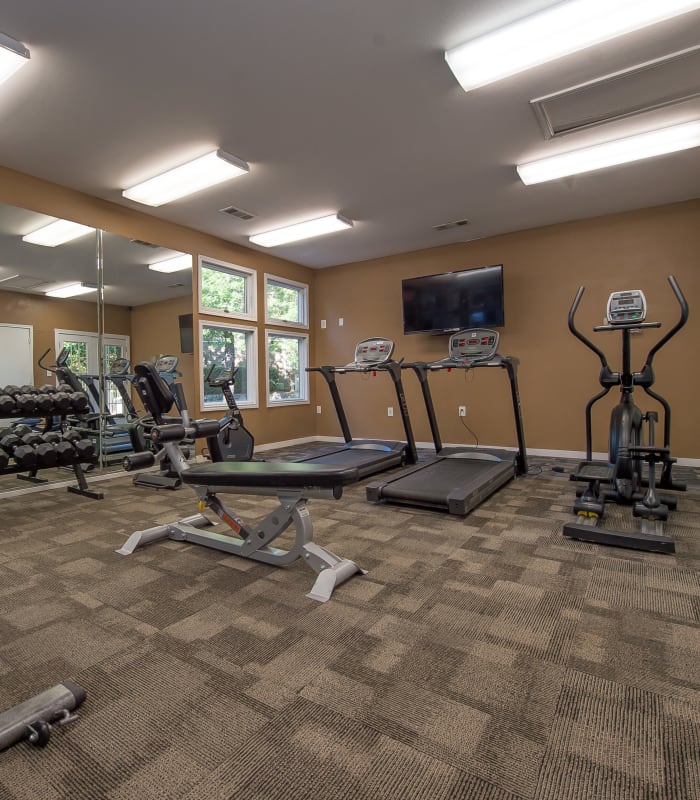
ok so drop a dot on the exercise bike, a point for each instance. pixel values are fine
(234, 442)
(623, 473)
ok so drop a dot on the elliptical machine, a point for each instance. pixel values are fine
(626, 312)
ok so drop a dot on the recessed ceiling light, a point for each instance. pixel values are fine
(557, 31)
(301, 230)
(58, 232)
(205, 171)
(174, 264)
(608, 154)
(13, 56)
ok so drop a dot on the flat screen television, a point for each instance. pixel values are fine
(186, 324)
(450, 301)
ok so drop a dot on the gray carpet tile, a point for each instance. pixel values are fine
(481, 658)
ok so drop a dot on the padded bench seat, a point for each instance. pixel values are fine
(286, 474)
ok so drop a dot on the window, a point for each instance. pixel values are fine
(287, 359)
(231, 346)
(286, 302)
(226, 290)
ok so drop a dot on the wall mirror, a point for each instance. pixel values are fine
(138, 311)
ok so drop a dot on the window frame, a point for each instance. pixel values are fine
(251, 333)
(304, 287)
(303, 374)
(250, 277)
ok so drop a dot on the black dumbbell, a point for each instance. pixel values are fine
(65, 452)
(24, 454)
(84, 448)
(61, 402)
(4, 460)
(79, 402)
(7, 405)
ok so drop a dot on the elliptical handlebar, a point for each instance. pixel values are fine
(577, 333)
(682, 302)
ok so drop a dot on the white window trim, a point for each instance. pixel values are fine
(251, 373)
(303, 374)
(251, 288)
(304, 286)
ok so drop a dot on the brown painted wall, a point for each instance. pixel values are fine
(542, 270)
(47, 313)
(268, 425)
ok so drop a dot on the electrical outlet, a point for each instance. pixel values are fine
(323, 323)
(318, 409)
(390, 411)
(462, 411)
(341, 322)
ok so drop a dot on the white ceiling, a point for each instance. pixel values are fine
(336, 105)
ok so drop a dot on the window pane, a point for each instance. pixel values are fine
(224, 290)
(284, 302)
(286, 356)
(225, 347)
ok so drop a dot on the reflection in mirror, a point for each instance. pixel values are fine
(141, 313)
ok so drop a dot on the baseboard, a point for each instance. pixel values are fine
(578, 455)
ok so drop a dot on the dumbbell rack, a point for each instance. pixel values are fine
(27, 400)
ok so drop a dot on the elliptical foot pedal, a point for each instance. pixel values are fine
(594, 471)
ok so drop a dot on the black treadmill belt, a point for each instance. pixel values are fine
(433, 483)
(454, 484)
(367, 462)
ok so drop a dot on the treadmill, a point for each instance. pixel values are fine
(368, 456)
(457, 479)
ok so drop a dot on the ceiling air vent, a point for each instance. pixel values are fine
(239, 213)
(446, 226)
(145, 244)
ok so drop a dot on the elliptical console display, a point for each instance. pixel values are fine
(626, 307)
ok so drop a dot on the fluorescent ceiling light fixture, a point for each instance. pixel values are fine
(302, 230)
(58, 232)
(72, 290)
(13, 55)
(608, 154)
(205, 171)
(174, 264)
(555, 32)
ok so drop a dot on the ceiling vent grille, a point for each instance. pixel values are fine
(22, 282)
(446, 226)
(239, 213)
(145, 244)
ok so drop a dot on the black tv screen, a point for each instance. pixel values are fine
(450, 301)
(186, 325)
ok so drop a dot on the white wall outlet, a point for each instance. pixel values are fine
(341, 322)
(390, 411)
(462, 411)
(318, 409)
(323, 323)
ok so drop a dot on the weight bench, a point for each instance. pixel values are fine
(292, 483)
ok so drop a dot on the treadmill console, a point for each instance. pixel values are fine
(473, 344)
(373, 351)
(625, 307)
(219, 375)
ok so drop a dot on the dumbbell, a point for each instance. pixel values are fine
(65, 452)
(61, 402)
(25, 455)
(46, 455)
(24, 402)
(7, 405)
(4, 460)
(79, 402)
(84, 448)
